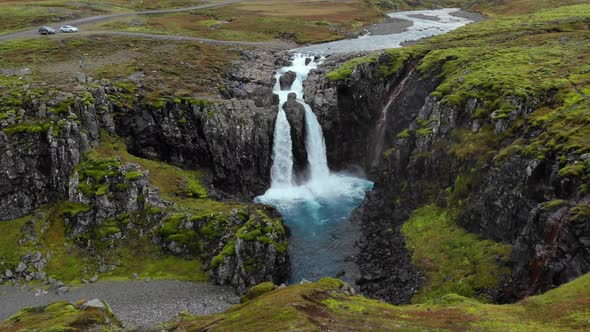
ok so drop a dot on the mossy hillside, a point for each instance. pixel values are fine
(45, 231)
(324, 306)
(11, 250)
(71, 260)
(62, 316)
(453, 260)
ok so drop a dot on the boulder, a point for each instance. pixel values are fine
(286, 80)
(93, 304)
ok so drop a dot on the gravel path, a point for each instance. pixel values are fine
(136, 303)
(32, 32)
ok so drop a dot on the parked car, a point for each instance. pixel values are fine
(46, 30)
(68, 28)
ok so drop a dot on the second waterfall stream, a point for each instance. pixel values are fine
(318, 211)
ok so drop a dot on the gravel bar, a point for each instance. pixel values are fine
(136, 303)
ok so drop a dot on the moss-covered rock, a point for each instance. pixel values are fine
(63, 316)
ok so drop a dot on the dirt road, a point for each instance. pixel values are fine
(32, 32)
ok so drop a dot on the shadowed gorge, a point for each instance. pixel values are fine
(295, 166)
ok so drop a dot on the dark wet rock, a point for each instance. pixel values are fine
(252, 78)
(233, 138)
(287, 79)
(295, 112)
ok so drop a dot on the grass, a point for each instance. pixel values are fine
(322, 306)
(168, 66)
(300, 21)
(11, 251)
(454, 261)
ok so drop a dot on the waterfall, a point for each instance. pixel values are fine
(322, 241)
(316, 147)
(282, 154)
(379, 133)
(282, 167)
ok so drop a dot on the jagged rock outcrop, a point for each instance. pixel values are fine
(255, 253)
(252, 77)
(295, 112)
(38, 156)
(349, 110)
(107, 195)
(242, 248)
(287, 79)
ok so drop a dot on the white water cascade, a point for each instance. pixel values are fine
(316, 211)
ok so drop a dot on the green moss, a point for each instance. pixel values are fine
(228, 250)
(454, 261)
(249, 236)
(132, 176)
(10, 249)
(424, 131)
(574, 170)
(257, 291)
(553, 204)
(404, 134)
(29, 128)
(580, 213)
(102, 190)
(61, 316)
(71, 209)
(348, 67)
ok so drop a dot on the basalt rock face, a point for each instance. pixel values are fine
(126, 191)
(350, 110)
(252, 77)
(258, 253)
(232, 138)
(295, 112)
(429, 157)
(36, 160)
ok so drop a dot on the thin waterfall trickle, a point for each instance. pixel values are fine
(379, 134)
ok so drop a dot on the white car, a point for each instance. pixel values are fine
(68, 28)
